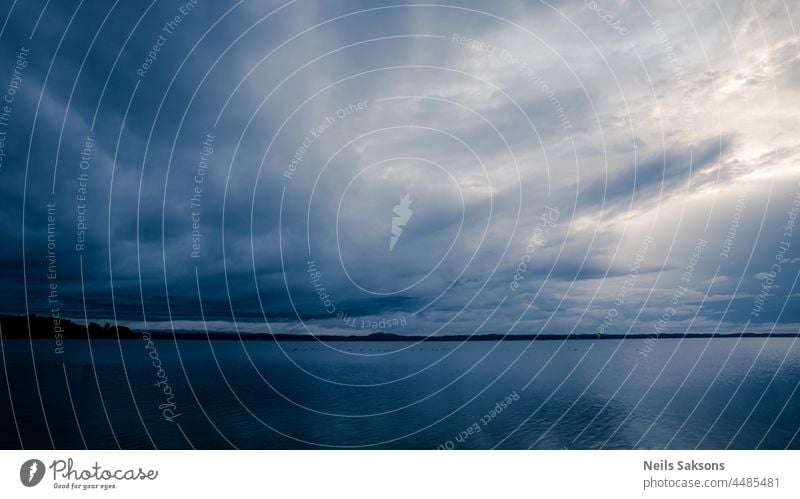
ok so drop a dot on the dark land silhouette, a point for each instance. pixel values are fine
(39, 327)
(42, 327)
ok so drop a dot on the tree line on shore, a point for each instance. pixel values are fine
(35, 326)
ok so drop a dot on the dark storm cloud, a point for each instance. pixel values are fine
(657, 176)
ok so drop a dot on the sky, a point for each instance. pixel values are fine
(415, 168)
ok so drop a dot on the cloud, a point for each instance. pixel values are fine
(317, 133)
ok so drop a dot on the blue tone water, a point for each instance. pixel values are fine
(694, 393)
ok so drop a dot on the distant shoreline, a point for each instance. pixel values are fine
(18, 326)
(289, 338)
(389, 337)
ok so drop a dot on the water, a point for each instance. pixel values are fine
(695, 393)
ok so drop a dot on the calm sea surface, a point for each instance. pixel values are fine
(694, 393)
